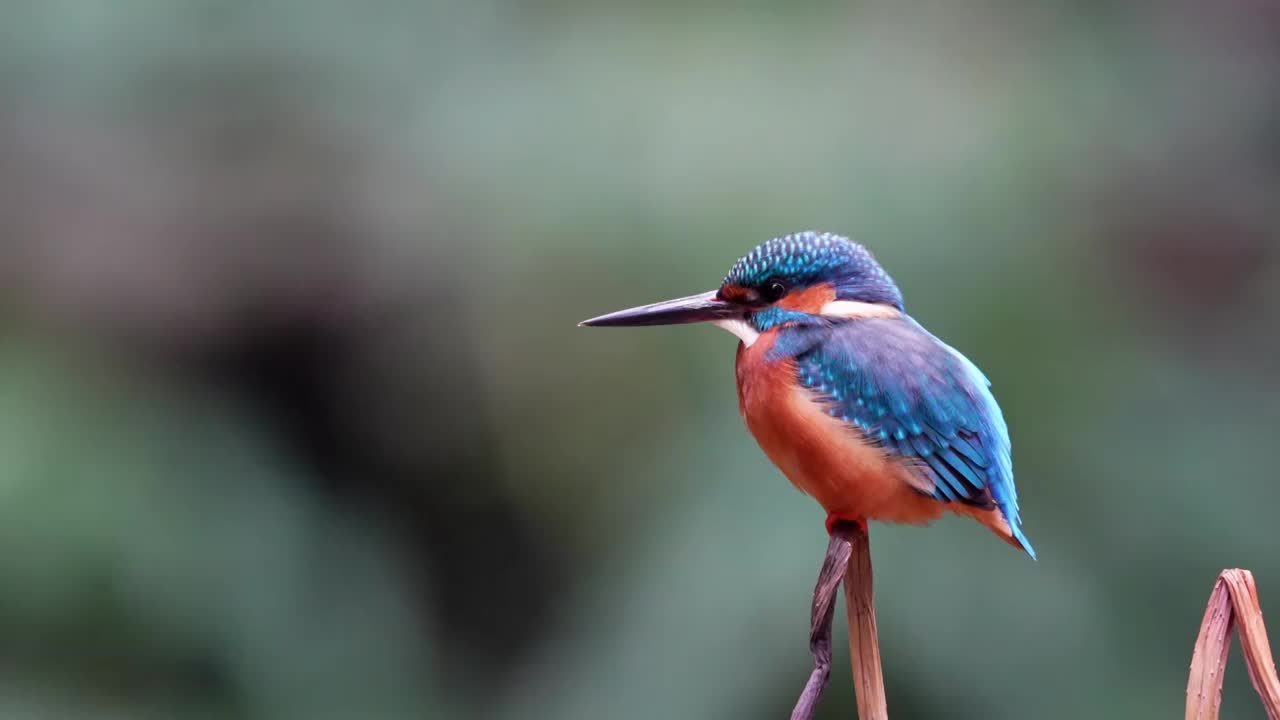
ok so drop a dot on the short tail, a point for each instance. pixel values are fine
(1008, 530)
(1015, 530)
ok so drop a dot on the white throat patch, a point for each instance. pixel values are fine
(741, 328)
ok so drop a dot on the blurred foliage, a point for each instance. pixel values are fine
(295, 420)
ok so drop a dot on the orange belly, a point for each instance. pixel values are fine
(830, 460)
(821, 455)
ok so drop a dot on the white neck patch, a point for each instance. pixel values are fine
(855, 309)
(836, 308)
(741, 328)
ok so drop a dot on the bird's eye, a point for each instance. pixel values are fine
(773, 290)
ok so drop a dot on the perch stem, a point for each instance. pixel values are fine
(824, 610)
(864, 639)
(848, 558)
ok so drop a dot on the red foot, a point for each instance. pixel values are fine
(834, 518)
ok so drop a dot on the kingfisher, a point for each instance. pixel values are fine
(856, 403)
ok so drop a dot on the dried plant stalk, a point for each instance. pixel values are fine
(823, 612)
(848, 558)
(1233, 603)
(1253, 638)
(864, 639)
(1209, 661)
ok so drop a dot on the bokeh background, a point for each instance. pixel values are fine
(295, 421)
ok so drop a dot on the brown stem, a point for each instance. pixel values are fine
(1209, 661)
(864, 640)
(849, 559)
(1253, 639)
(1234, 602)
(823, 612)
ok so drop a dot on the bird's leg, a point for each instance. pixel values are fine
(834, 566)
(833, 520)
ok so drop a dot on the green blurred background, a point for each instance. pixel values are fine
(295, 421)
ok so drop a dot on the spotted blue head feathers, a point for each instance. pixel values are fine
(805, 259)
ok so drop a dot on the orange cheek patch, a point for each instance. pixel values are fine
(810, 300)
(737, 294)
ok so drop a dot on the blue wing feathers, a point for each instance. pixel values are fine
(951, 486)
(916, 397)
(970, 453)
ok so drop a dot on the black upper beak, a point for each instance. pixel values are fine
(705, 307)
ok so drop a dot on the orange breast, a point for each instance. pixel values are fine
(823, 456)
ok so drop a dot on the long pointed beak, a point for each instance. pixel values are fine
(705, 307)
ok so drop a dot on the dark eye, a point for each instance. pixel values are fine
(773, 290)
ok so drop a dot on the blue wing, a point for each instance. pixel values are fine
(918, 398)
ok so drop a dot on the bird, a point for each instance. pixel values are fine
(857, 404)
